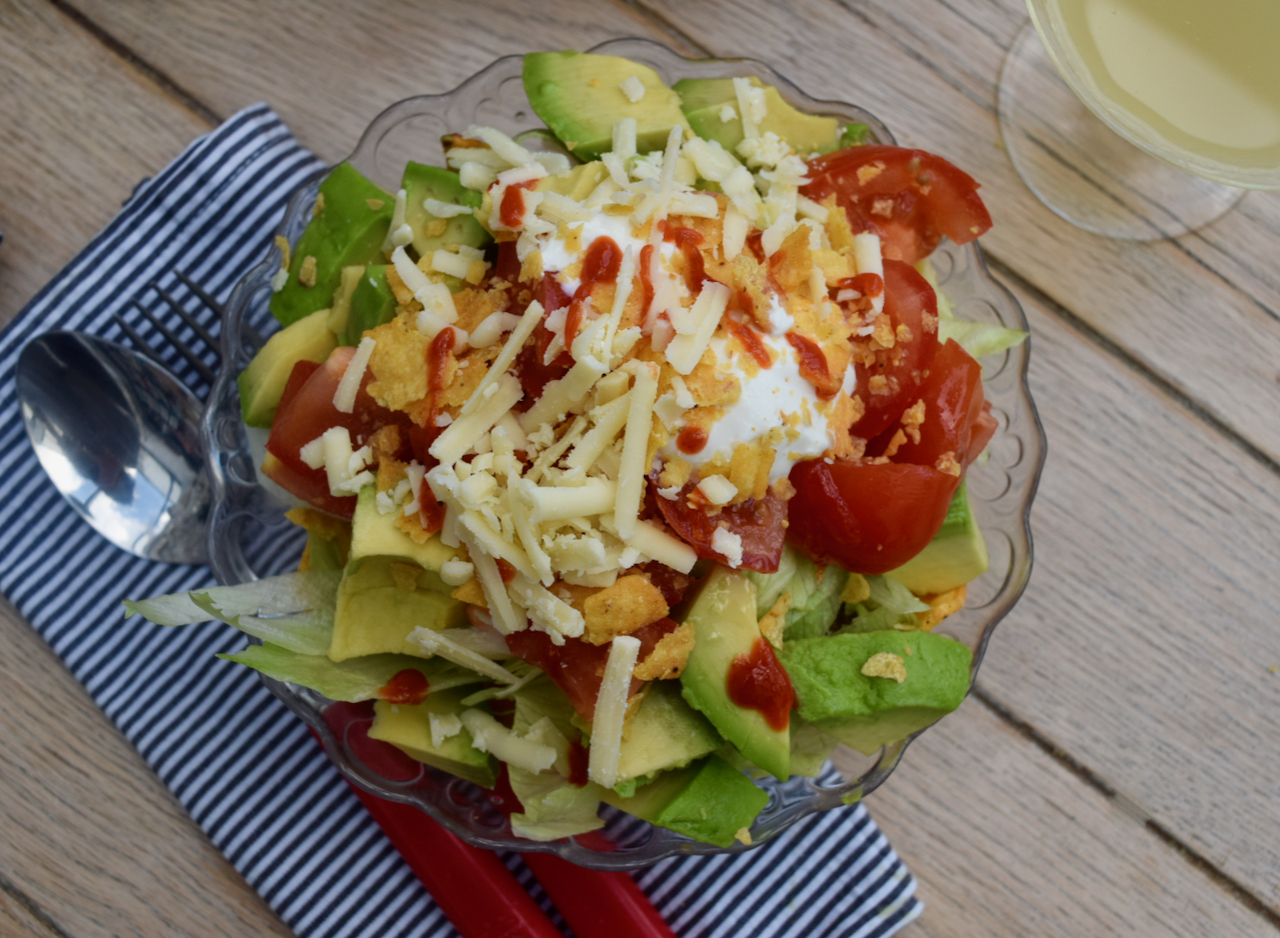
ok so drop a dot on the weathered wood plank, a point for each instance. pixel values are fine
(329, 68)
(1079, 865)
(16, 918)
(80, 130)
(90, 834)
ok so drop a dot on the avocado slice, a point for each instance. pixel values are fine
(956, 555)
(340, 311)
(709, 801)
(665, 733)
(723, 616)
(376, 611)
(348, 229)
(577, 184)
(703, 100)
(374, 534)
(262, 383)
(868, 712)
(391, 585)
(408, 728)
(430, 234)
(579, 96)
(372, 304)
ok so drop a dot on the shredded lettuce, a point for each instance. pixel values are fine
(814, 590)
(890, 605)
(553, 806)
(979, 339)
(294, 611)
(352, 680)
(770, 586)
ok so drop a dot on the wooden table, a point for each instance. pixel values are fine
(1115, 772)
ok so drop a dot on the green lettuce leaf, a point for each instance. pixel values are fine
(352, 680)
(979, 338)
(976, 338)
(553, 806)
(890, 605)
(294, 611)
(815, 593)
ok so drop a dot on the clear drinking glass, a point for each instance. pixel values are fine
(1143, 119)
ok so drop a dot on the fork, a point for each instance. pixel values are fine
(595, 903)
(194, 358)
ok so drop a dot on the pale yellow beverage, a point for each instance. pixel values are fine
(1195, 82)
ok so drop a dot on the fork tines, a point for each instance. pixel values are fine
(184, 348)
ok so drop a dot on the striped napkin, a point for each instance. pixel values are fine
(245, 768)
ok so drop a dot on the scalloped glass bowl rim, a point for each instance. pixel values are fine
(791, 801)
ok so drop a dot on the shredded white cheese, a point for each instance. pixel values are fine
(344, 398)
(611, 710)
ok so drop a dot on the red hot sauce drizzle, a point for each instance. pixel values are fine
(687, 240)
(756, 681)
(750, 340)
(869, 285)
(599, 265)
(813, 366)
(408, 687)
(511, 212)
(691, 440)
(646, 276)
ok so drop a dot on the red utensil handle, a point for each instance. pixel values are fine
(472, 886)
(597, 904)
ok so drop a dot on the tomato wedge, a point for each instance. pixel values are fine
(867, 517)
(909, 301)
(954, 404)
(306, 411)
(910, 198)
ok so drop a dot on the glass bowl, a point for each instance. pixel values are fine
(250, 538)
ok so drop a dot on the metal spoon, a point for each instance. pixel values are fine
(119, 437)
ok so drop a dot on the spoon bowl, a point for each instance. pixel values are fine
(119, 436)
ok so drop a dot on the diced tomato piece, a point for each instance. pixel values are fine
(910, 198)
(910, 302)
(867, 517)
(954, 406)
(306, 411)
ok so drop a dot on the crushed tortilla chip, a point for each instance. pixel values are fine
(631, 603)
(405, 575)
(775, 620)
(943, 605)
(668, 657)
(471, 593)
(887, 665)
(856, 589)
(307, 272)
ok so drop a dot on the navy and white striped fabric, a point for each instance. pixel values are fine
(242, 765)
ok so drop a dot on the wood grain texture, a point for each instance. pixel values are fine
(81, 129)
(1080, 864)
(16, 917)
(1140, 649)
(329, 68)
(90, 834)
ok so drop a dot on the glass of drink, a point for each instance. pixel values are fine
(1155, 91)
